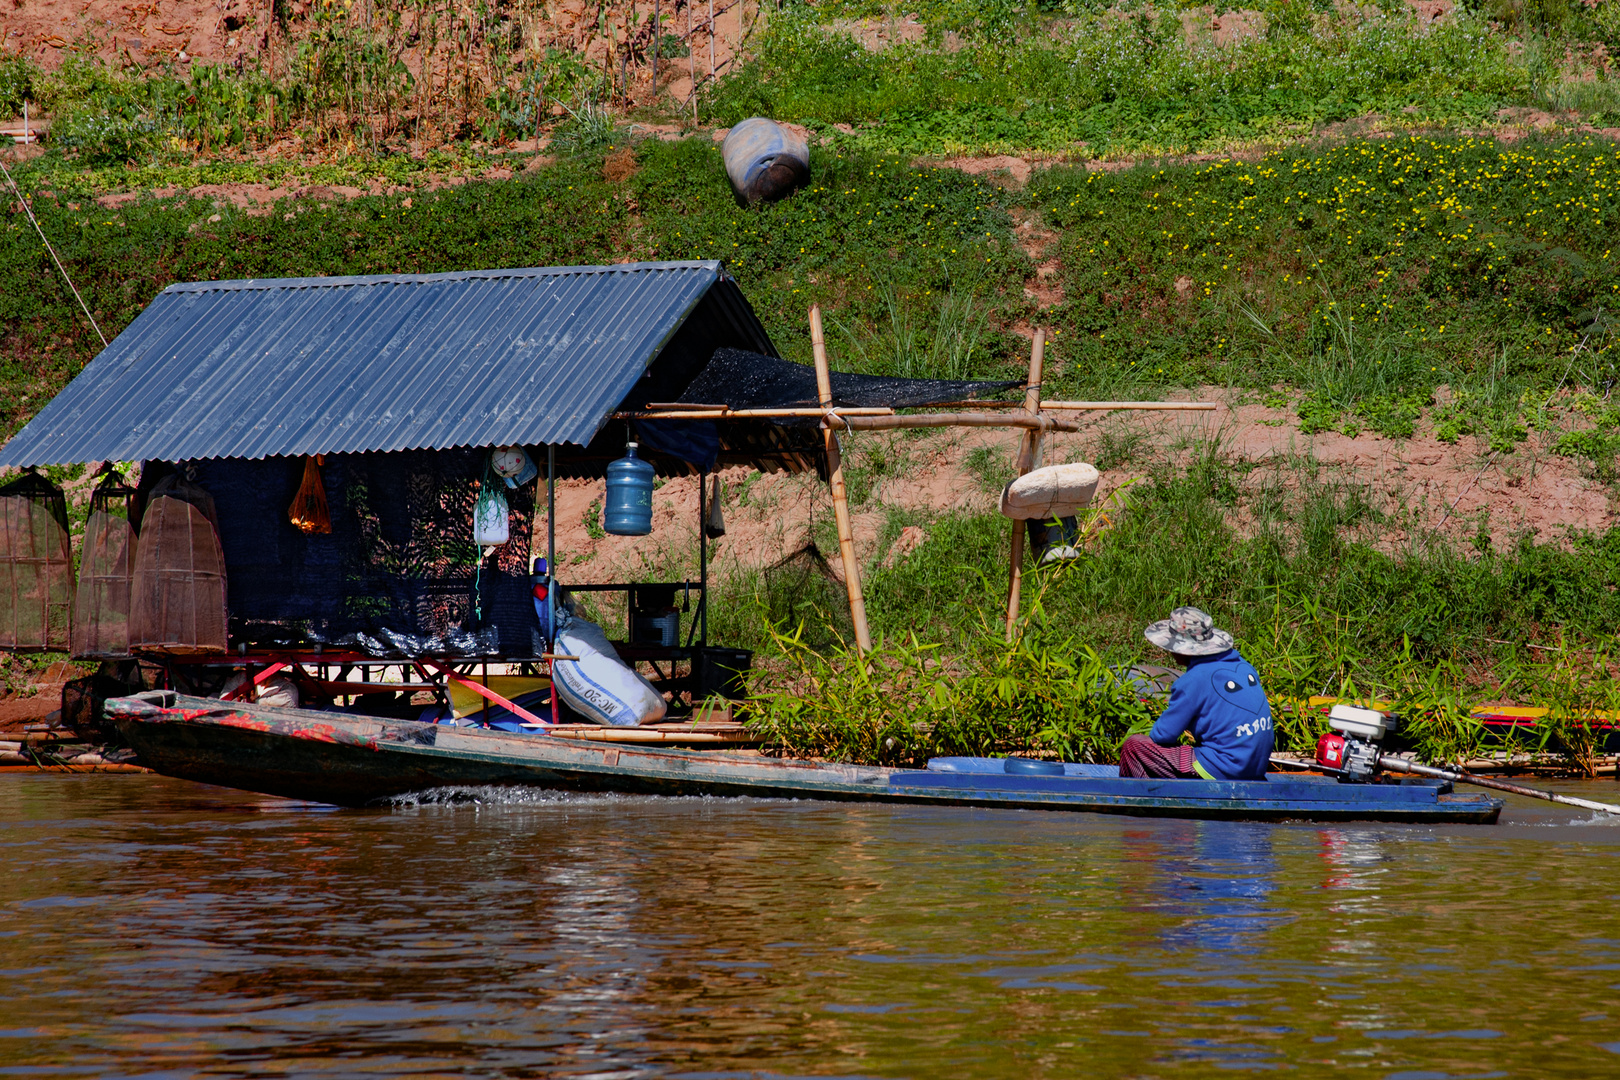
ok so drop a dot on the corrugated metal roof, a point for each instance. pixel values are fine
(257, 368)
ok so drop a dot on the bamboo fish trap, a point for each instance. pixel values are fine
(36, 567)
(177, 602)
(106, 572)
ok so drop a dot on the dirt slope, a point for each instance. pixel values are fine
(1420, 484)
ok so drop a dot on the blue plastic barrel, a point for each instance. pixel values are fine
(629, 496)
(764, 160)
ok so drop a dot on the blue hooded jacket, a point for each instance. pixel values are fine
(1220, 700)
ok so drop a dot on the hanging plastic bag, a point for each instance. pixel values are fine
(490, 520)
(308, 510)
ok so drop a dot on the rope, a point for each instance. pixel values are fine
(29, 210)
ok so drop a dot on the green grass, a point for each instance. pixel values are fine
(1101, 84)
(1363, 274)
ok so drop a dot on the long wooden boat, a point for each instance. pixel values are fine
(356, 761)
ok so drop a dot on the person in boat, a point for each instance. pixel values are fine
(1219, 700)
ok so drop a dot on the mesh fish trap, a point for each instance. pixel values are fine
(803, 588)
(106, 570)
(36, 567)
(177, 590)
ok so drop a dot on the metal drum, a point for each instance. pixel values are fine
(765, 161)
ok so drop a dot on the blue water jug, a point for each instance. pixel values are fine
(629, 496)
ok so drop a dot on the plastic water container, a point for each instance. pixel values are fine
(629, 496)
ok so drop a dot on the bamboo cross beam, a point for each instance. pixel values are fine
(835, 477)
(1085, 406)
(720, 412)
(932, 420)
(1121, 406)
(676, 411)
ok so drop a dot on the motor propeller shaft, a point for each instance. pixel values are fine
(1395, 764)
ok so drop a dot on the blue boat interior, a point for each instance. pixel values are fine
(982, 765)
(990, 774)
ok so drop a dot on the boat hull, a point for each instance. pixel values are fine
(358, 761)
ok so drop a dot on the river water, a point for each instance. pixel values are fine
(152, 927)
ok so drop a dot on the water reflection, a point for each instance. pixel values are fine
(1214, 878)
(157, 926)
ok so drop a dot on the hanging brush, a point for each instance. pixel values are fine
(308, 509)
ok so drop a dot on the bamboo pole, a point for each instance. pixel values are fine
(840, 498)
(1029, 456)
(719, 412)
(932, 420)
(1085, 406)
(864, 419)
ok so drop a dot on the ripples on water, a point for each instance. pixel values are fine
(154, 927)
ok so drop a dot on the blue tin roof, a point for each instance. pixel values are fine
(286, 366)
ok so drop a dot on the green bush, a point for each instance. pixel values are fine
(17, 75)
(902, 703)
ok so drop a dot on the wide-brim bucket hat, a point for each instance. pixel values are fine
(1188, 632)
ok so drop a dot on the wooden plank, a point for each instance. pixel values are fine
(646, 735)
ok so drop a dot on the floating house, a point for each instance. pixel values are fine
(313, 452)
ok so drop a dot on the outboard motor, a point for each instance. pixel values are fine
(1351, 749)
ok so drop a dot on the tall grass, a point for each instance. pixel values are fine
(906, 701)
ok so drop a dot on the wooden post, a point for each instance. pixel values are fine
(1029, 457)
(835, 476)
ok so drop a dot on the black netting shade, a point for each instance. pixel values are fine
(748, 380)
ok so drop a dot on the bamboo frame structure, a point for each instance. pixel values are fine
(840, 497)
(1027, 414)
(1029, 457)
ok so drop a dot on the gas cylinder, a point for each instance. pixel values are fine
(629, 496)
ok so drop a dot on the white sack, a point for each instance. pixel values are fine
(276, 691)
(598, 685)
(1056, 491)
